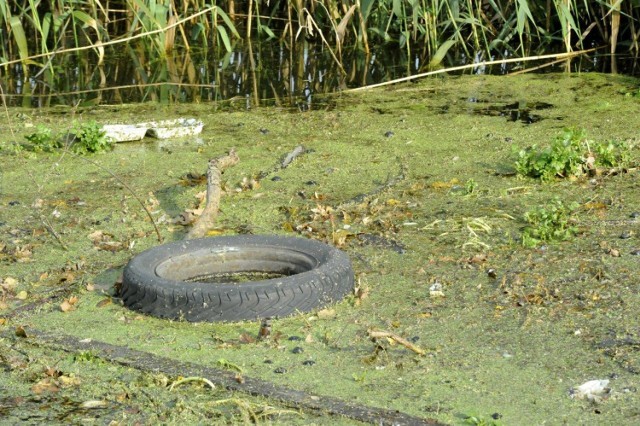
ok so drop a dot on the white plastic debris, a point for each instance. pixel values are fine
(162, 129)
(436, 290)
(181, 127)
(593, 390)
(124, 132)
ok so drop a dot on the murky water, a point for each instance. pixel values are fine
(265, 73)
(509, 344)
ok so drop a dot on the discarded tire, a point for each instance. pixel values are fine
(192, 279)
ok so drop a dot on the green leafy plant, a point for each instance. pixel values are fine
(612, 154)
(571, 155)
(43, 140)
(471, 186)
(553, 222)
(89, 138)
(562, 159)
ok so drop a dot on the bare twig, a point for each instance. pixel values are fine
(214, 173)
(404, 342)
(297, 151)
(52, 231)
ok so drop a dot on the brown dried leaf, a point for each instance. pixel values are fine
(67, 277)
(96, 236)
(9, 284)
(23, 254)
(112, 246)
(45, 385)
(68, 380)
(65, 306)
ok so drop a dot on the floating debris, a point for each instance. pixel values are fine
(593, 390)
(163, 129)
(436, 290)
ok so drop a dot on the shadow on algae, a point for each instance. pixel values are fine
(415, 183)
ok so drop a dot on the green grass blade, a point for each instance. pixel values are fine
(19, 37)
(225, 37)
(227, 21)
(441, 52)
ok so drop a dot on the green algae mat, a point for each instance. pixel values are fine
(486, 316)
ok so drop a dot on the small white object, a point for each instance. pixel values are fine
(436, 290)
(593, 390)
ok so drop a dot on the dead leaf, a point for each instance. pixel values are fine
(67, 277)
(45, 385)
(68, 380)
(9, 284)
(112, 246)
(23, 254)
(96, 236)
(22, 295)
(68, 304)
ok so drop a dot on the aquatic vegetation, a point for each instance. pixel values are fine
(571, 155)
(552, 222)
(158, 37)
(89, 138)
(84, 138)
(43, 140)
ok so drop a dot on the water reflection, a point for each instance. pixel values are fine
(274, 73)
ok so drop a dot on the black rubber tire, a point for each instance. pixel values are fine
(163, 281)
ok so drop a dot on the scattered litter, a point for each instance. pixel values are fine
(593, 390)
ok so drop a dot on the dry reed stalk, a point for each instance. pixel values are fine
(615, 24)
(468, 66)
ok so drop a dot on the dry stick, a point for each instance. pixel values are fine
(214, 173)
(123, 183)
(479, 64)
(297, 151)
(404, 342)
(112, 42)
